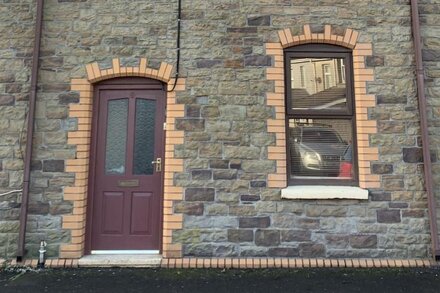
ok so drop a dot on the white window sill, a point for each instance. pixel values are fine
(323, 192)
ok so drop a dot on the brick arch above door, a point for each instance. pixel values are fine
(95, 74)
(81, 139)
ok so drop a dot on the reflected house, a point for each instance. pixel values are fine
(318, 83)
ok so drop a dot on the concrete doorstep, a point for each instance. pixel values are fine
(127, 260)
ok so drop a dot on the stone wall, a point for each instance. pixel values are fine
(228, 208)
(429, 18)
(15, 61)
(229, 211)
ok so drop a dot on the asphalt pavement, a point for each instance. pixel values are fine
(211, 280)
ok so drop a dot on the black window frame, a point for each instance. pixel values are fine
(321, 51)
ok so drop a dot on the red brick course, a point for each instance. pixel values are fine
(254, 263)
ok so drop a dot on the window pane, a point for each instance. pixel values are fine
(144, 137)
(116, 136)
(318, 83)
(321, 148)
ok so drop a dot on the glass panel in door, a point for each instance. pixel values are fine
(144, 137)
(116, 138)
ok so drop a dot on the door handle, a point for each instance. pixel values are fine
(158, 164)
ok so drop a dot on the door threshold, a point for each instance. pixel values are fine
(121, 260)
(121, 252)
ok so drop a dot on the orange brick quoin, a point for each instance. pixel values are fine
(363, 101)
(81, 138)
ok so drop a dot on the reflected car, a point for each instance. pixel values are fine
(317, 151)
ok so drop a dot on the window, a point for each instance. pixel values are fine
(320, 120)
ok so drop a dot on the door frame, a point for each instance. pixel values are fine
(120, 83)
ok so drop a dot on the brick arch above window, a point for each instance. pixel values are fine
(363, 100)
(348, 39)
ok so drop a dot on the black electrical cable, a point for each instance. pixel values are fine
(176, 76)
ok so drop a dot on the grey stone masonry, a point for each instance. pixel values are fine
(16, 31)
(430, 15)
(228, 208)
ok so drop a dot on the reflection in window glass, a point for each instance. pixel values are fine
(318, 83)
(116, 141)
(303, 76)
(321, 148)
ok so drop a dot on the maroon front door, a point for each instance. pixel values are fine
(127, 182)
